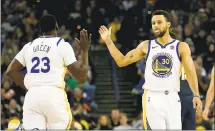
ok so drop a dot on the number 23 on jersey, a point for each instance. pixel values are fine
(45, 68)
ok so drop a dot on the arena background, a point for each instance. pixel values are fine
(109, 89)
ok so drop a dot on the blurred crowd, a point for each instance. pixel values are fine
(192, 21)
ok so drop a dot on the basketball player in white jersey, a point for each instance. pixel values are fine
(47, 59)
(209, 97)
(164, 55)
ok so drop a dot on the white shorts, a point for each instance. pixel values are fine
(161, 110)
(46, 108)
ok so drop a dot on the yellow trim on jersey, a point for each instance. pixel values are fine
(144, 109)
(68, 111)
(180, 73)
(63, 82)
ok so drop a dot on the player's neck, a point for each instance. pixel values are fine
(50, 34)
(165, 39)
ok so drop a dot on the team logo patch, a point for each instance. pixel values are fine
(172, 47)
(162, 65)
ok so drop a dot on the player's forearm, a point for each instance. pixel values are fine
(85, 58)
(17, 77)
(192, 80)
(210, 92)
(209, 97)
(85, 63)
(115, 53)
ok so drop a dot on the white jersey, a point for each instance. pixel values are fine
(46, 59)
(162, 67)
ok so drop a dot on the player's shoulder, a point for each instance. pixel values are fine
(144, 44)
(63, 44)
(60, 41)
(183, 47)
(25, 46)
(182, 43)
(64, 47)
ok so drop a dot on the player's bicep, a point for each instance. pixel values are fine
(14, 66)
(187, 60)
(21, 56)
(133, 56)
(212, 79)
(136, 54)
(76, 70)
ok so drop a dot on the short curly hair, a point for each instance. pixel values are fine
(47, 23)
(164, 13)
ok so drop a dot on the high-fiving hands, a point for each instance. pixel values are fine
(85, 40)
(104, 32)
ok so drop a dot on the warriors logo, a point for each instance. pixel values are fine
(162, 65)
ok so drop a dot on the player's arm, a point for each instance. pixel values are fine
(121, 60)
(188, 64)
(210, 92)
(78, 69)
(189, 67)
(15, 67)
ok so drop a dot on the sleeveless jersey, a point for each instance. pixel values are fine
(162, 67)
(46, 59)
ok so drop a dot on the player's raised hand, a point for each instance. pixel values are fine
(197, 104)
(85, 40)
(104, 32)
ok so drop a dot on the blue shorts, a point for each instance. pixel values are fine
(188, 113)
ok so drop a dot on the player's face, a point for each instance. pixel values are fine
(159, 25)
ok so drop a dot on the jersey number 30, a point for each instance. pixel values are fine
(44, 69)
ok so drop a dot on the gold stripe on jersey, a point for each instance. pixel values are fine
(63, 83)
(144, 109)
(68, 111)
(180, 73)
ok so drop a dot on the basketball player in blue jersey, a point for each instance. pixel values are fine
(164, 56)
(188, 113)
(47, 59)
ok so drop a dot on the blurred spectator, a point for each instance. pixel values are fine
(123, 123)
(76, 125)
(201, 75)
(115, 117)
(189, 41)
(138, 123)
(104, 123)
